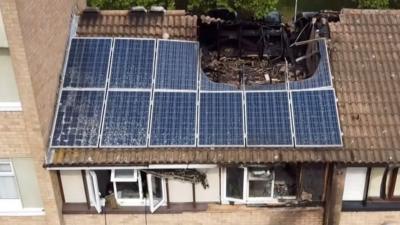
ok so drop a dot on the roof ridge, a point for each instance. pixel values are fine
(370, 11)
(125, 12)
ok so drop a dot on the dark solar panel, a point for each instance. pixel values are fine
(173, 119)
(132, 63)
(221, 119)
(87, 63)
(268, 119)
(78, 119)
(126, 119)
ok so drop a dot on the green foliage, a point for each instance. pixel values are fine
(127, 4)
(252, 8)
(373, 4)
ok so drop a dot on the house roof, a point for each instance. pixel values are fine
(364, 58)
(123, 23)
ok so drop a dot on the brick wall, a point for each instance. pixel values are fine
(216, 215)
(370, 218)
(37, 35)
(45, 28)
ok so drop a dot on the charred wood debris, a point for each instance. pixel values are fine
(240, 51)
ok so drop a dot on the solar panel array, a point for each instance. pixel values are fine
(137, 93)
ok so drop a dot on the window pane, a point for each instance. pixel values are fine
(8, 188)
(5, 168)
(28, 184)
(396, 191)
(127, 174)
(374, 189)
(8, 85)
(128, 190)
(260, 182)
(313, 181)
(285, 181)
(354, 183)
(234, 182)
(157, 189)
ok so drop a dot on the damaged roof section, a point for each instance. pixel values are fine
(125, 23)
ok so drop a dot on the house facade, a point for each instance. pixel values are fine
(349, 184)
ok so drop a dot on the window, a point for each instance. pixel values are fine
(9, 196)
(9, 98)
(127, 187)
(130, 187)
(19, 191)
(354, 183)
(384, 184)
(255, 185)
(261, 183)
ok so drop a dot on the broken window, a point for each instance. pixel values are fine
(260, 182)
(285, 181)
(313, 182)
(254, 185)
(234, 182)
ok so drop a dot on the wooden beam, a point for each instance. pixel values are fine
(194, 194)
(366, 185)
(333, 204)
(83, 172)
(61, 186)
(167, 186)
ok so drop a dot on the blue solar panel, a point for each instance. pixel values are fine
(268, 119)
(174, 119)
(322, 75)
(132, 64)
(221, 119)
(315, 118)
(177, 65)
(87, 63)
(78, 118)
(126, 119)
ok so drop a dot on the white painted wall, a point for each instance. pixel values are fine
(180, 191)
(211, 194)
(354, 184)
(72, 184)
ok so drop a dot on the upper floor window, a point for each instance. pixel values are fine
(9, 98)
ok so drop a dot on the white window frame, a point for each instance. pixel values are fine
(260, 200)
(10, 107)
(246, 199)
(8, 205)
(94, 192)
(225, 199)
(128, 201)
(134, 177)
(163, 201)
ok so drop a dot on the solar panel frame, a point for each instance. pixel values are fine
(110, 85)
(243, 121)
(150, 137)
(157, 71)
(289, 118)
(337, 121)
(67, 59)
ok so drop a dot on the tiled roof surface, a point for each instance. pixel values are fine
(123, 23)
(365, 52)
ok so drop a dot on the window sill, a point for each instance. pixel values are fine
(10, 107)
(24, 212)
(360, 206)
(81, 208)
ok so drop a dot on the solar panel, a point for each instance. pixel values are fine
(132, 64)
(177, 65)
(78, 119)
(126, 119)
(173, 119)
(321, 76)
(221, 119)
(315, 118)
(268, 119)
(87, 63)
